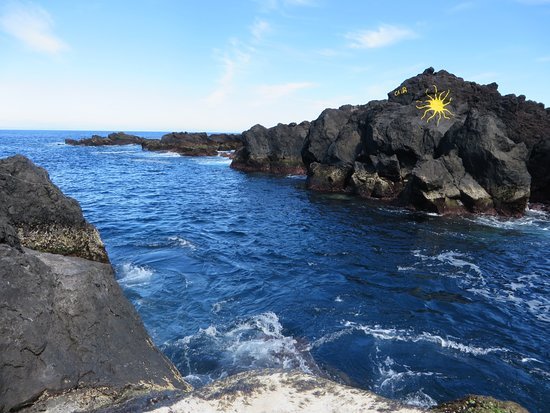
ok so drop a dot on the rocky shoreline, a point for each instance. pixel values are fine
(183, 143)
(71, 341)
(438, 144)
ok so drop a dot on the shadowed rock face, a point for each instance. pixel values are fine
(194, 144)
(64, 322)
(488, 153)
(276, 150)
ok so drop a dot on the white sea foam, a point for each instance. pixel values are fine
(329, 338)
(256, 342)
(520, 292)
(211, 160)
(338, 299)
(393, 379)
(217, 307)
(453, 258)
(182, 242)
(158, 154)
(457, 260)
(392, 334)
(530, 359)
(132, 274)
(419, 399)
(113, 152)
(532, 220)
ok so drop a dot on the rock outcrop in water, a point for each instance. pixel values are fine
(438, 144)
(194, 144)
(117, 138)
(184, 143)
(64, 323)
(275, 150)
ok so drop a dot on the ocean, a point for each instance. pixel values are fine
(232, 272)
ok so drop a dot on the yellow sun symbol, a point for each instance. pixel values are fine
(435, 104)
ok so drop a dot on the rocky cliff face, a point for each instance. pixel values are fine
(275, 150)
(64, 322)
(438, 144)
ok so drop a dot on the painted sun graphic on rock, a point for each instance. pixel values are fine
(435, 105)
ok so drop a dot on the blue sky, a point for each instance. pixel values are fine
(226, 65)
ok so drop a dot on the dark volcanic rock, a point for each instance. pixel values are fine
(332, 138)
(438, 143)
(329, 178)
(194, 144)
(276, 150)
(493, 160)
(117, 138)
(43, 218)
(539, 168)
(64, 322)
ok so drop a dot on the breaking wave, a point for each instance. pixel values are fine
(257, 342)
(132, 274)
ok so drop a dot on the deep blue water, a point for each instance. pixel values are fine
(232, 272)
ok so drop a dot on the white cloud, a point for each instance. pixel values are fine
(385, 35)
(233, 62)
(467, 5)
(483, 77)
(259, 29)
(543, 59)
(281, 90)
(33, 26)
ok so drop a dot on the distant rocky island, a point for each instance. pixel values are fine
(438, 144)
(184, 143)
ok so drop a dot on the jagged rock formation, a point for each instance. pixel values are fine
(275, 150)
(36, 214)
(64, 323)
(194, 144)
(117, 138)
(438, 144)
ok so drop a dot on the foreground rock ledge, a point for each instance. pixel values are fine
(282, 392)
(65, 324)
